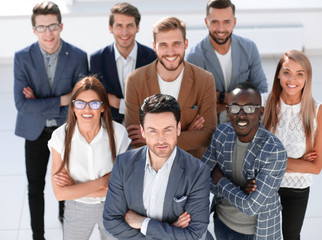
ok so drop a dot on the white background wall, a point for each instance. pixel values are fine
(86, 22)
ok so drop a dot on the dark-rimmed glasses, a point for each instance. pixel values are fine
(249, 109)
(51, 27)
(95, 105)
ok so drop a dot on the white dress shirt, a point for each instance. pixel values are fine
(124, 68)
(89, 161)
(154, 189)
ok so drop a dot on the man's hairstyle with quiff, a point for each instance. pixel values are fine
(45, 8)
(169, 23)
(126, 9)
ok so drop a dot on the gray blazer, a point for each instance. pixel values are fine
(246, 63)
(29, 70)
(188, 190)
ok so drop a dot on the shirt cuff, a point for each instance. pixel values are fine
(144, 226)
(122, 106)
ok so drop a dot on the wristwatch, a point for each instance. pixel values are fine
(222, 97)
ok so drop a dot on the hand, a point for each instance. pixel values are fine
(134, 132)
(183, 221)
(197, 123)
(29, 93)
(63, 179)
(133, 219)
(250, 187)
(114, 100)
(216, 174)
(65, 99)
(310, 156)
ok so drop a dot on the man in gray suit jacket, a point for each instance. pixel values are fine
(158, 191)
(230, 58)
(44, 75)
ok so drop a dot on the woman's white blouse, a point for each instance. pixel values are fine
(89, 161)
(291, 132)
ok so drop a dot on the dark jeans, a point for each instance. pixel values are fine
(37, 155)
(222, 232)
(294, 203)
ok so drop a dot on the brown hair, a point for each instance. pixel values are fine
(45, 8)
(308, 108)
(88, 83)
(167, 24)
(126, 9)
(220, 4)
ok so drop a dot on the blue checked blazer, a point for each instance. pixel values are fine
(265, 161)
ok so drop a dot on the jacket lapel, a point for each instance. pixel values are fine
(152, 79)
(186, 85)
(61, 64)
(228, 153)
(235, 55)
(174, 180)
(41, 70)
(250, 165)
(215, 65)
(110, 64)
(139, 169)
(141, 57)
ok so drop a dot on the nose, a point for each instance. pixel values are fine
(241, 113)
(124, 31)
(220, 27)
(47, 31)
(161, 138)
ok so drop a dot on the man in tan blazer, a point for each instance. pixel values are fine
(193, 87)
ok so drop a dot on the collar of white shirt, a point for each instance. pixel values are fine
(133, 54)
(167, 164)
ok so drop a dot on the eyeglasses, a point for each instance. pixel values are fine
(79, 104)
(51, 27)
(249, 109)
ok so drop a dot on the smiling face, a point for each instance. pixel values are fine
(245, 125)
(170, 48)
(124, 30)
(292, 79)
(160, 131)
(220, 23)
(88, 116)
(48, 40)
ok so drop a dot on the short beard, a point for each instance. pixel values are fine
(163, 64)
(220, 43)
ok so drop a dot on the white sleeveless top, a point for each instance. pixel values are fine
(291, 133)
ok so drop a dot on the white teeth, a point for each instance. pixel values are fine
(242, 124)
(171, 58)
(291, 86)
(87, 115)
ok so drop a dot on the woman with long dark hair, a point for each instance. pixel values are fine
(83, 153)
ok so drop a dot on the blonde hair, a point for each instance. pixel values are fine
(169, 23)
(308, 108)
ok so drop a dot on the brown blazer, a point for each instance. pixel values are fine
(197, 95)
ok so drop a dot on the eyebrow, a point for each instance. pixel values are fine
(301, 70)
(152, 128)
